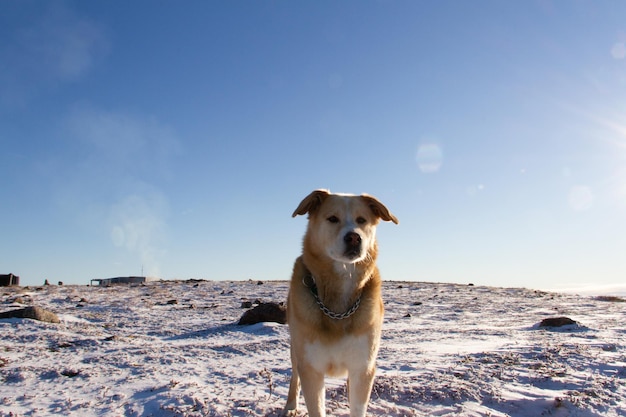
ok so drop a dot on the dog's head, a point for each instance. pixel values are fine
(343, 226)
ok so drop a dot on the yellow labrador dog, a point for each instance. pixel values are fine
(334, 308)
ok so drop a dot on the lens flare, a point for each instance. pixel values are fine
(618, 51)
(429, 158)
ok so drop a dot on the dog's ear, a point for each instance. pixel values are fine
(311, 202)
(379, 209)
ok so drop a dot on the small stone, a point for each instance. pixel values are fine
(556, 322)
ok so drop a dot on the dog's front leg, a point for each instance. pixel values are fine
(313, 390)
(294, 392)
(359, 390)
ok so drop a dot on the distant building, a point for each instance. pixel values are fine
(107, 282)
(8, 280)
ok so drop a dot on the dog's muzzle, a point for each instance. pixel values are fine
(353, 245)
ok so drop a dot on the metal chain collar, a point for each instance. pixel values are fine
(326, 310)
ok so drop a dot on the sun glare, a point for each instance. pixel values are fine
(617, 140)
(580, 198)
(609, 130)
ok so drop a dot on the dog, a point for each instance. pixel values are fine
(334, 307)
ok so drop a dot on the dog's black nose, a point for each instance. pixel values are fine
(352, 239)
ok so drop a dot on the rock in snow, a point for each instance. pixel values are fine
(557, 322)
(265, 312)
(33, 312)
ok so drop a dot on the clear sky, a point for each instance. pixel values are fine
(177, 138)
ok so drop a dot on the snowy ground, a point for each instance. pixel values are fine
(174, 349)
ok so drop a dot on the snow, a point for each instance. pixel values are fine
(173, 348)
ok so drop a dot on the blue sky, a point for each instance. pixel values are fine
(179, 137)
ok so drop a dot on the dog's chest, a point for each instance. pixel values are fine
(335, 359)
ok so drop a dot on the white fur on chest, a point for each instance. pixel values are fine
(336, 359)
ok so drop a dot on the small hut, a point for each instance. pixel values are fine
(107, 282)
(8, 280)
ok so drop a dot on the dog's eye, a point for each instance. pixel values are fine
(333, 219)
(361, 220)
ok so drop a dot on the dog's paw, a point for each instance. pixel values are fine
(289, 413)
